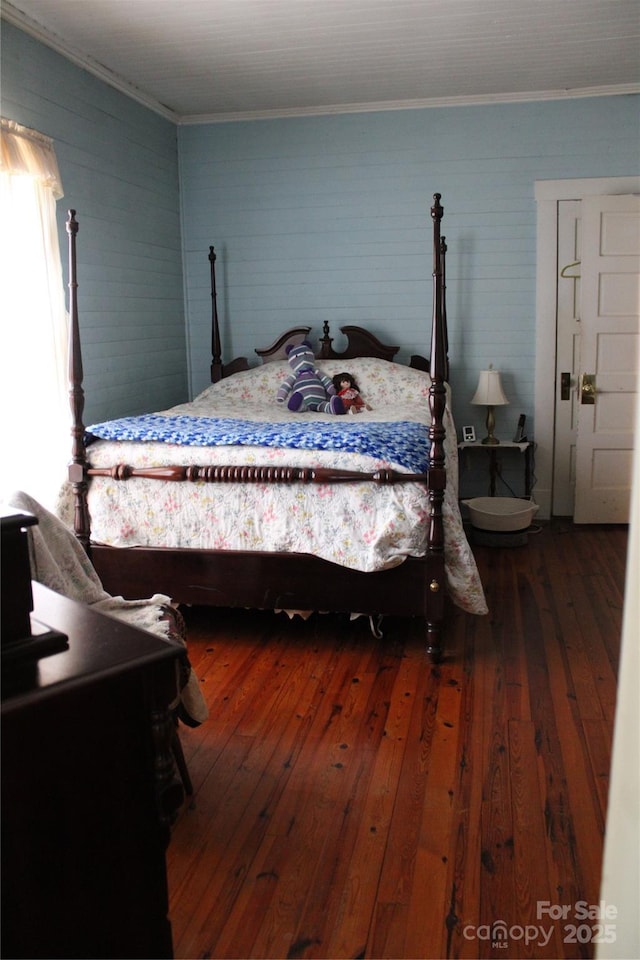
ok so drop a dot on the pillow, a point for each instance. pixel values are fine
(256, 384)
(381, 382)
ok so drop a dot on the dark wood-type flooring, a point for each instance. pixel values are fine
(352, 800)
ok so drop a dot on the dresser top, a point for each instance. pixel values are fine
(99, 646)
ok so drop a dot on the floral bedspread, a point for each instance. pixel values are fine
(364, 526)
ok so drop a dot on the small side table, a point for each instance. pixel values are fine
(525, 447)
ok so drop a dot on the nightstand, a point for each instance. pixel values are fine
(492, 450)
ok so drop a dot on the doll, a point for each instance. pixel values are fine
(349, 392)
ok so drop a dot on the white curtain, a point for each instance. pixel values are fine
(36, 420)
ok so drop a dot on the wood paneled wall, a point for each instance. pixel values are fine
(328, 218)
(119, 168)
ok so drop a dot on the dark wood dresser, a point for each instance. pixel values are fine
(88, 790)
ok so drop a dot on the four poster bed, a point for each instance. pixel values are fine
(234, 501)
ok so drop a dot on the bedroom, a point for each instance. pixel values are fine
(230, 183)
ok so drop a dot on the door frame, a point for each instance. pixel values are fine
(547, 195)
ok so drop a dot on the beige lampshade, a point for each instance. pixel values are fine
(489, 391)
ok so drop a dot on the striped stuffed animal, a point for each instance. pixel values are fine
(306, 387)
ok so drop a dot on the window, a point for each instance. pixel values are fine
(33, 329)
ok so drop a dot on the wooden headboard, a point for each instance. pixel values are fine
(360, 343)
(278, 349)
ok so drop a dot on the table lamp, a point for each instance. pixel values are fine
(490, 394)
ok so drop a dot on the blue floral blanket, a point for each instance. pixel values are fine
(404, 443)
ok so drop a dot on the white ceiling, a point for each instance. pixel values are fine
(205, 60)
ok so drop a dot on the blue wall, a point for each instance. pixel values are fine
(312, 219)
(328, 218)
(119, 168)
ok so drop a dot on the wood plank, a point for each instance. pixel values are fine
(393, 916)
(598, 737)
(428, 902)
(464, 859)
(532, 884)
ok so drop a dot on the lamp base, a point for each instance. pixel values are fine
(490, 439)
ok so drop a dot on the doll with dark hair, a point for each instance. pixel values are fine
(349, 392)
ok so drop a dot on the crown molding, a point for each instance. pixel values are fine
(35, 30)
(462, 101)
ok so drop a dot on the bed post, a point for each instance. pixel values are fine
(218, 368)
(437, 477)
(443, 300)
(216, 349)
(77, 467)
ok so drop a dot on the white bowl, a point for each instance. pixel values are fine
(506, 514)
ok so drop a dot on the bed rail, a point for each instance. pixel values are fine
(222, 473)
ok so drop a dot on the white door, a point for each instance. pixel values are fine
(567, 357)
(610, 325)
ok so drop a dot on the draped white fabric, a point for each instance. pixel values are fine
(33, 330)
(26, 152)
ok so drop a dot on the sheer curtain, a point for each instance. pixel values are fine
(36, 421)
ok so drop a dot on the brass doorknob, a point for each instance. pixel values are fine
(588, 388)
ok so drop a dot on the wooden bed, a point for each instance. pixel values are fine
(280, 580)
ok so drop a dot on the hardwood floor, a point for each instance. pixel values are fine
(352, 800)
